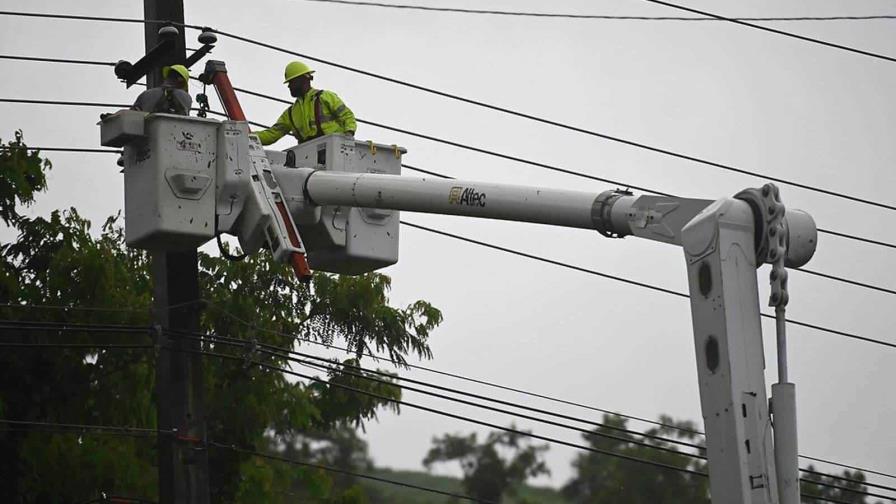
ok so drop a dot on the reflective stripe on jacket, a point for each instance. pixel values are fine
(300, 119)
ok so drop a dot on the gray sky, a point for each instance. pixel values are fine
(715, 90)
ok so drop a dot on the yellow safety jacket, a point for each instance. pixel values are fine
(317, 113)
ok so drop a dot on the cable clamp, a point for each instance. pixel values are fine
(251, 351)
(601, 212)
(396, 150)
(372, 147)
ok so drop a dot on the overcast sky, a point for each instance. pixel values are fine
(711, 89)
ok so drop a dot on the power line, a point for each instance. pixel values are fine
(82, 428)
(628, 281)
(343, 471)
(495, 107)
(144, 432)
(411, 167)
(57, 60)
(502, 428)
(551, 122)
(774, 30)
(402, 402)
(804, 270)
(287, 354)
(59, 149)
(332, 366)
(482, 151)
(598, 16)
(537, 164)
(211, 305)
(653, 287)
(76, 345)
(250, 325)
(106, 19)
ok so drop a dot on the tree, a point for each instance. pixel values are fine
(605, 479)
(817, 485)
(58, 261)
(487, 474)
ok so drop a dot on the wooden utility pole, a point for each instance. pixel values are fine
(183, 457)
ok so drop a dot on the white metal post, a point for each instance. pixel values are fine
(721, 263)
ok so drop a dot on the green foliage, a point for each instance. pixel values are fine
(58, 261)
(487, 474)
(811, 487)
(603, 479)
(23, 175)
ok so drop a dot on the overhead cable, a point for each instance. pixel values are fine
(804, 270)
(248, 324)
(524, 115)
(629, 281)
(495, 426)
(649, 286)
(774, 30)
(421, 407)
(482, 151)
(252, 326)
(287, 460)
(287, 354)
(143, 432)
(598, 16)
(551, 122)
(329, 365)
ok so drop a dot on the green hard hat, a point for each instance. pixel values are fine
(180, 69)
(295, 69)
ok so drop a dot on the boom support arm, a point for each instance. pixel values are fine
(723, 244)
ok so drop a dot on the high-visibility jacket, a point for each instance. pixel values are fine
(317, 113)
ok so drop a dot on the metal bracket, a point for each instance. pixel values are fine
(600, 212)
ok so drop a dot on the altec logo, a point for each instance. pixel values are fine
(466, 196)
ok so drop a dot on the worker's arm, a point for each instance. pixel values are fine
(277, 131)
(341, 113)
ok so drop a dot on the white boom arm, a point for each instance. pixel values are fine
(720, 244)
(188, 179)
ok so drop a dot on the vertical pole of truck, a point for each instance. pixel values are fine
(183, 458)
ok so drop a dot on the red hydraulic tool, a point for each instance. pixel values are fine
(216, 74)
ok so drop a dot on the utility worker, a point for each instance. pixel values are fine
(172, 97)
(315, 113)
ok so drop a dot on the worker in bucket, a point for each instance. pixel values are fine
(172, 97)
(315, 113)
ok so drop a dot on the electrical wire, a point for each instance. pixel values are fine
(629, 281)
(287, 354)
(252, 326)
(278, 351)
(59, 149)
(598, 16)
(57, 60)
(82, 428)
(421, 407)
(343, 471)
(551, 122)
(76, 345)
(508, 157)
(774, 30)
(496, 426)
(144, 432)
(804, 270)
(555, 168)
(331, 366)
(411, 167)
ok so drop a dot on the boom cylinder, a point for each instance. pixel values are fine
(453, 197)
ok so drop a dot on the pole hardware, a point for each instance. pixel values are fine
(601, 213)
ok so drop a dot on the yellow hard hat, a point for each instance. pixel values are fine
(180, 69)
(295, 69)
